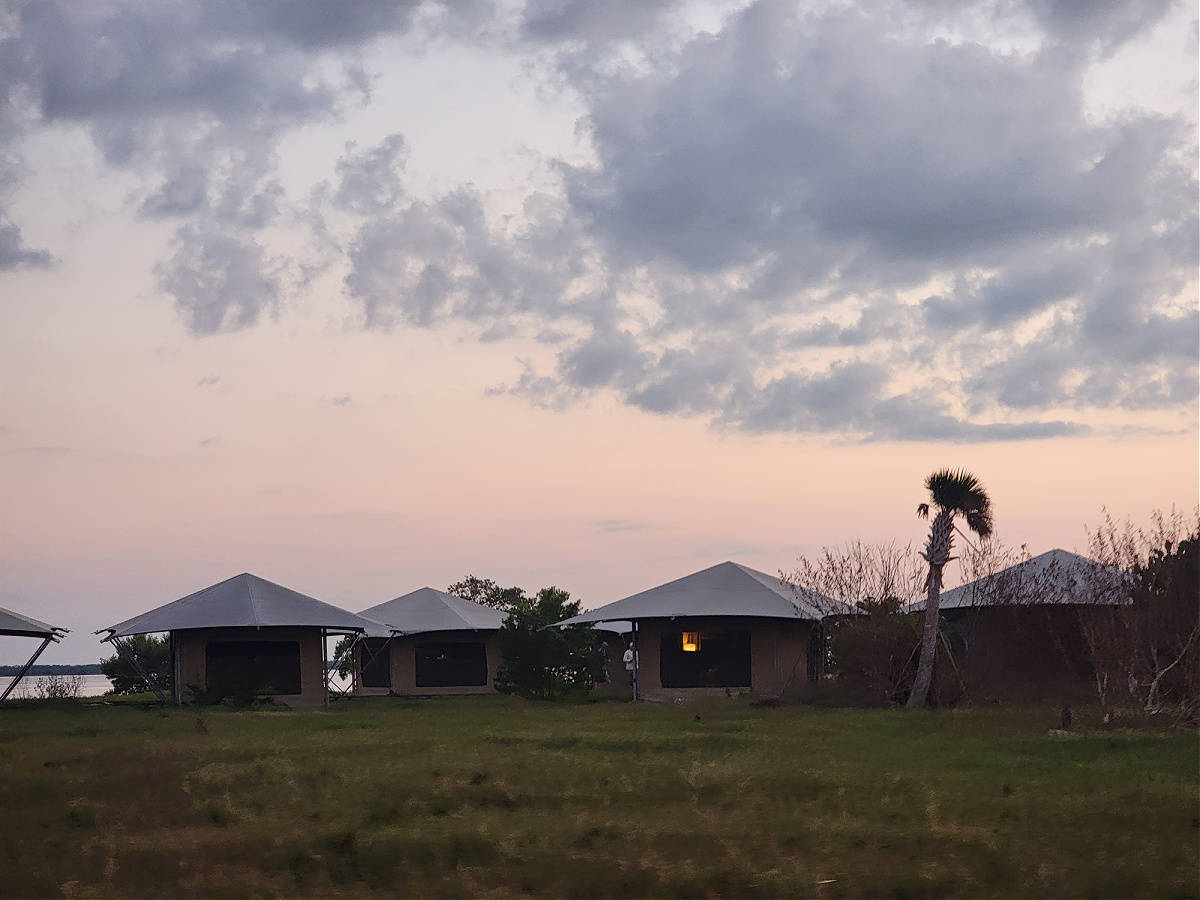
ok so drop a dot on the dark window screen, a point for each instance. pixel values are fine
(252, 667)
(451, 664)
(723, 660)
(377, 668)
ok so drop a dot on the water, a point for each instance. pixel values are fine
(89, 685)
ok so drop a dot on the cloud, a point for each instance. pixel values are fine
(343, 400)
(13, 252)
(208, 381)
(1102, 26)
(617, 526)
(424, 262)
(370, 182)
(765, 203)
(194, 98)
(220, 282)
(892, 220)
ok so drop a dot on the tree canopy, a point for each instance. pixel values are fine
(153, 655)
(546, 663)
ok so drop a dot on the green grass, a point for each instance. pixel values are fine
(496, 796)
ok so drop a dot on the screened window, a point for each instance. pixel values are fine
(720, 659)
(247, 668)
(456, 664)
(376, 658)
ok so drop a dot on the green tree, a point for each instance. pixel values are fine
(543, 662)
(486, 592)
(153, 655)
(345, 664)
(951, 494)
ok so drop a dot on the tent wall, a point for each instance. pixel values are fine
(403, 652)
(1022, 653)
(778, 655)
(191, 652)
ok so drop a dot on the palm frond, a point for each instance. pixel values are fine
(961, 492)
(980, 519)
(922, 510)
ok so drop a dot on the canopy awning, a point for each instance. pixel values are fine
(244, 601)
(16, 625)
(727, 589)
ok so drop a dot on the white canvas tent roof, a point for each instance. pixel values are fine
(428, 609)
(727, 589)
(243, 601)
(16, 625)
(1056, 577)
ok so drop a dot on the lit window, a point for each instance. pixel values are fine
(691, 641)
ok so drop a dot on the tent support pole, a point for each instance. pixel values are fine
(176, 670)
(131, 658)
(25, 668)
(636, 661)
(325, 664)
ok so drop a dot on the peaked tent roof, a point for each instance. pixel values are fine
(16, 625)
(1054, 577)
(243, 601)
(726, 589)
(428, 609)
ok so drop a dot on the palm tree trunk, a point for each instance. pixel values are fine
(937, 552)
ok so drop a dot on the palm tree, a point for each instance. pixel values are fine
(951, 494)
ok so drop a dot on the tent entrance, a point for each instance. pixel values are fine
(452, 664)
(249, 668)
(704, 659)
(376, 655)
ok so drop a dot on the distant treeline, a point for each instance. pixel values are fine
(80, 669)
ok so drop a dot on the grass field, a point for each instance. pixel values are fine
(496, 796)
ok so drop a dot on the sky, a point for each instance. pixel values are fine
(366, 297)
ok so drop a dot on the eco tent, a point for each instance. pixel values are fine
(245, 635)
(16, 625)
(1017, 635)
(727, 627)
(428, 642)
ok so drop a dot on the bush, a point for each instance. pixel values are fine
(58, 687)
(543, 662)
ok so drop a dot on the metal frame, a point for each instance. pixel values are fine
(356, 670)
(637, 659)
(332, 691)
(55, 635)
